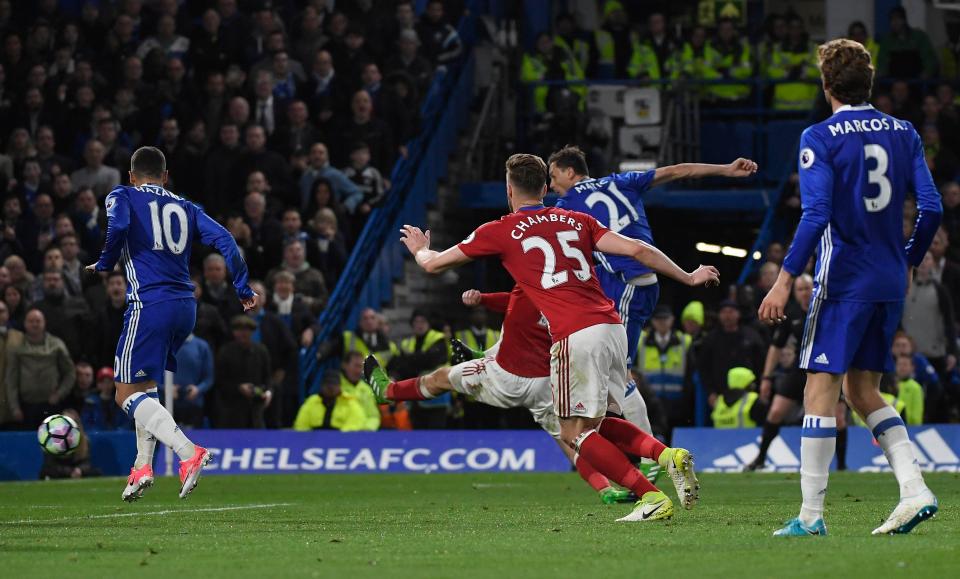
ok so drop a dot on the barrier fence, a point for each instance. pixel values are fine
(457, 451)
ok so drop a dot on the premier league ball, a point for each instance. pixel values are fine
(58, 435)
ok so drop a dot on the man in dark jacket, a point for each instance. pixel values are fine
(273, 333)
(728, 346)
(109, 322)
(242, 388)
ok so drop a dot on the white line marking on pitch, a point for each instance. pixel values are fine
(149, 513)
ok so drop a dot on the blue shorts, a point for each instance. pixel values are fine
(840, 335)
(152, 334)
(635, 305)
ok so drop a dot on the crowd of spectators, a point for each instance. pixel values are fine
(284, 123)
(916, 81)
(282, 119)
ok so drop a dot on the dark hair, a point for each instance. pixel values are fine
(846, 70)
(527, 173)
(570, 157)
(66, 236)
(353, 354)
(115, 273)
(148, 162)
(854, 25)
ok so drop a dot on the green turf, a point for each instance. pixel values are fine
(491, 525)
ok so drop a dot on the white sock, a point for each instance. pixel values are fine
(146, 442)
(157, 421)
(632, 407)
(818, 442)
(890, 432)
(424, 391)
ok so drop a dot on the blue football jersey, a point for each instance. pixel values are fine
(856, 169)
(150, 232)
(615, 202)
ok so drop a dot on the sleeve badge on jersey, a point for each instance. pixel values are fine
(806, 158)
(111, 201)
(469, 238)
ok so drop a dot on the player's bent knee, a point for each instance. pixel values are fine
(438, 381)
(124, 391)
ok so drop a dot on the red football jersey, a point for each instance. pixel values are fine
(549, 253)
(525, 341)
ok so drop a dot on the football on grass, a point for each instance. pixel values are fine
(58, 435)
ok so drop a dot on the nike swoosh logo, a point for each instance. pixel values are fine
(645, 514)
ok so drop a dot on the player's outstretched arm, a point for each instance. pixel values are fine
(418, 243)
(616, 244)
(495, 302)
(739, 168)
(212, 233)
(118, 222)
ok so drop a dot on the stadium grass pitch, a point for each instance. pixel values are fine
(466, 525)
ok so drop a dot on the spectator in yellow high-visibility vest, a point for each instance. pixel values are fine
(643, 62)
(909, 391)
(858, 31)
(614, 42)
(662, 43)
(776, 33)
(578, 45)
(422, 352)
(479, 337)
(728, 56)
(548, 62)
(795, 61)
(692, 62)
(370, 338)
(335, 409)
(739, 406)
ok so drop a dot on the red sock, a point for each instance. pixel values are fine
(590, 474)
(630, 439)
(608, 460)
(405, 390)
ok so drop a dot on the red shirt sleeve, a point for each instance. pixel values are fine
(595, 228)
(495, 302)
(484, 241)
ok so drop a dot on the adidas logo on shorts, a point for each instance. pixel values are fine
(580, 406)
(821, 359)
(140, 374)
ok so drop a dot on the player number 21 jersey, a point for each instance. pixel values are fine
(615, 201)
(548, 252)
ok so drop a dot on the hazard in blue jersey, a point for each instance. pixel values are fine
(150, 232)
(856, 169)
(615, 202)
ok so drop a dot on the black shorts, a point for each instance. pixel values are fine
(790, 385)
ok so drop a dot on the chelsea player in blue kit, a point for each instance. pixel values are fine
(856, 169)
(615, 201)
(150, 232)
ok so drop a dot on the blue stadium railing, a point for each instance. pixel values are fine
(377, 260)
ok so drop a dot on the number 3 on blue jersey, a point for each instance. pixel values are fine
(878, 176)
